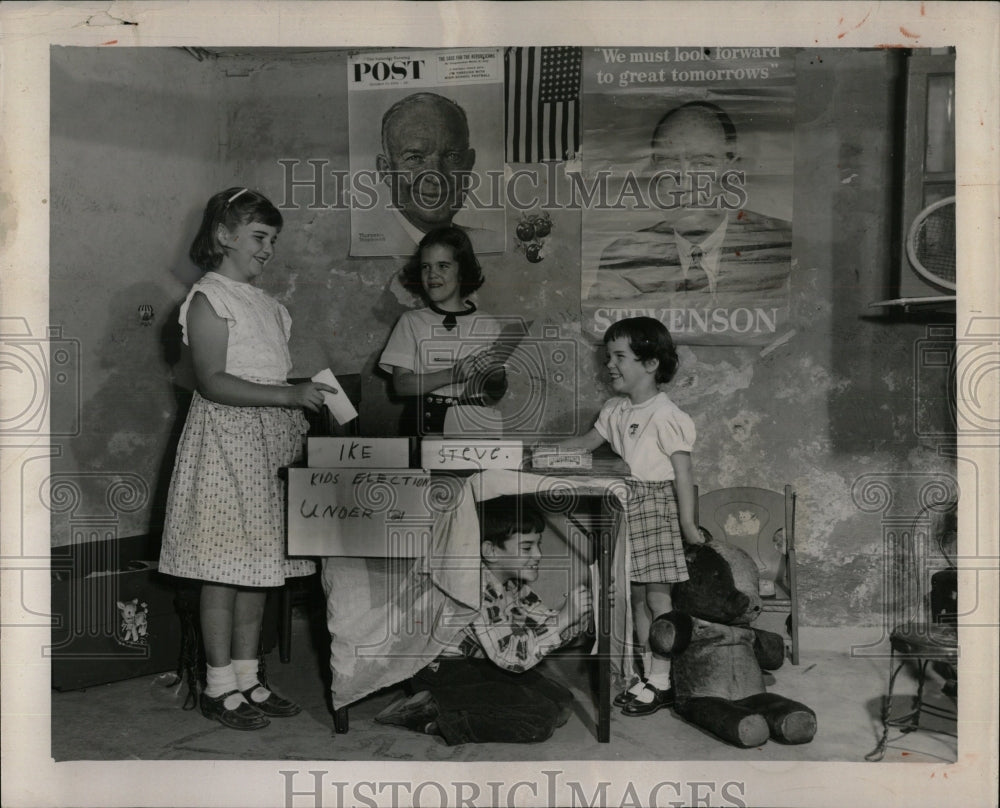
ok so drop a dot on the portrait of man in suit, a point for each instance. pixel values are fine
(425, 153)
(424, 166)
(707, 249)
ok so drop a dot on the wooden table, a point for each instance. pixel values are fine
(583, 497)
(602, 540)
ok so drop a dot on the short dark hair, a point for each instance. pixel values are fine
(419, 98)
(470, 273)
(649, 339)
(230, 208)
(720, 115)
(502, 517)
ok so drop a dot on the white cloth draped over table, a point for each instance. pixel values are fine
(388, 618)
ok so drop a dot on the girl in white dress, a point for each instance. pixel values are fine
(440, 356)
(224, 520)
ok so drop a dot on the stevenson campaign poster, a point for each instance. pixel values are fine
(687, 161)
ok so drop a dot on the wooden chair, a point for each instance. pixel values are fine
(760, 522)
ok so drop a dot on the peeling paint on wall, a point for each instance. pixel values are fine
(832, 402)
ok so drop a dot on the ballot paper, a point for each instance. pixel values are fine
(338, 403)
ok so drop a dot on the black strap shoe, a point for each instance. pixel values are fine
(243, 716)
(273, 705)
(661, 698)
(626, 696)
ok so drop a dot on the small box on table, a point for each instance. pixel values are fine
(555, 458)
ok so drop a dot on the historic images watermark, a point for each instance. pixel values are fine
(523, 189)
(315, 788)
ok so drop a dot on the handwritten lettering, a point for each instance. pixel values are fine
(312, 510)
(355, 451)
(405, 480)
(470, 453)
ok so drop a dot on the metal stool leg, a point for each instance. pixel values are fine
(879, 751)
(908, 722)
(285, 624)
(340, 721)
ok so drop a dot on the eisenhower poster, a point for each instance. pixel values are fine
(687, 160)
(426, 148)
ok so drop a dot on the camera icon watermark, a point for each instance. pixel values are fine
(966, 370)
(41, 379)
(918, 513)
(516, 383)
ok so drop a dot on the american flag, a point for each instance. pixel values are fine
(543, 103)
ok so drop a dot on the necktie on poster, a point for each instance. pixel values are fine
(338, 403)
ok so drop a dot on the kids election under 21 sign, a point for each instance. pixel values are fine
(695, 147)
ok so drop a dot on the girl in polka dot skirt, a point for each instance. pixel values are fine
(224, 522)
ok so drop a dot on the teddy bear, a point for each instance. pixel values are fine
(718, 658)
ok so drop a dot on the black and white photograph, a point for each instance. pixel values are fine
(481, 404)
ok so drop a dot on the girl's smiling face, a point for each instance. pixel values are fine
(440, 276)
(630, 376)
(249, 247)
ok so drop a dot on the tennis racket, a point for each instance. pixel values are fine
(930, 244)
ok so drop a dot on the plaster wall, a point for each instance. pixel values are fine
(138, 144)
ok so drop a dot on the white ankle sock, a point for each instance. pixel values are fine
(660, 680)
(222, 680)
(246, 678)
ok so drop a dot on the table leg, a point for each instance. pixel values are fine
(604, 638)
(340, 721)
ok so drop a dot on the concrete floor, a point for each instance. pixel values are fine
(143, 719)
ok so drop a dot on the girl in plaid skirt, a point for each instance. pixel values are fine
(655, 438)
